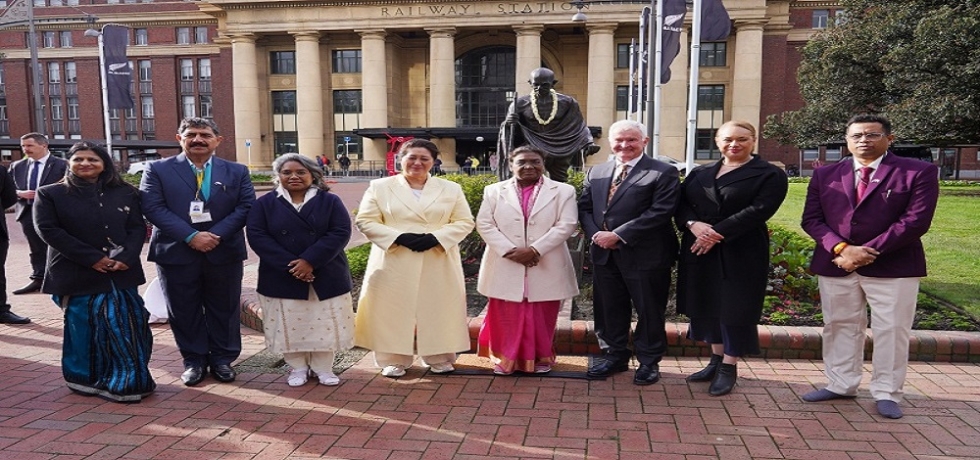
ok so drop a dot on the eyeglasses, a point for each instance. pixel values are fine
(868, 136)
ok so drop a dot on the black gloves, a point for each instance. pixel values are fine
(417, 242)
(426, 242)
(407, 239)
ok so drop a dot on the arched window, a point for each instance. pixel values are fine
(484, 86)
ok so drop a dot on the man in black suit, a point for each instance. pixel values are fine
(197, 203)
(38, 167)
(626, 209)
(8, 195)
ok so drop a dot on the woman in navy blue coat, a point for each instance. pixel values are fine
(299, 232)
(94, 228)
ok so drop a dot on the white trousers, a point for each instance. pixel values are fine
(319, 361)
(844, 302)
(392, 359)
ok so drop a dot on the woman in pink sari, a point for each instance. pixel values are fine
(526, 270)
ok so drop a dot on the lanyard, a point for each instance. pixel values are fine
(199, 173)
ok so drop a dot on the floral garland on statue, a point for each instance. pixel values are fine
(554, 107)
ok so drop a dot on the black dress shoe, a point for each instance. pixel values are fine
(708, 373)
(223, 373)
(8, 317)
(33, 286)
(647, 374)
(604, 367)
(193, 375)
(724, 380)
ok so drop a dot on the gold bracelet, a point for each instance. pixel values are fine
(839, 247)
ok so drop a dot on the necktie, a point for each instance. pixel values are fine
(862, 186)
(35, 169)
(618, 180)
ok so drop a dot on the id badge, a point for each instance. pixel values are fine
(198, 213)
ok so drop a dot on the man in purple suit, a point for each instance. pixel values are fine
(867, 215)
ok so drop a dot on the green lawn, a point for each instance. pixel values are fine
(952, 247)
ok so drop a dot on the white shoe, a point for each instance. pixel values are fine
(442, 368)
(297, 377)
(328, 378)
(393, 371)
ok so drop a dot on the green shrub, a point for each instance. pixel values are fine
(357, 258)
(576, 179)
(132, 178)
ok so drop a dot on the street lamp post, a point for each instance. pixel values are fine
(39, 124)
(105, 85)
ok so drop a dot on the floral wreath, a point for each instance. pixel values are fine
(554, 107)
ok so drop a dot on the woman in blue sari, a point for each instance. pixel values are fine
(93, 224)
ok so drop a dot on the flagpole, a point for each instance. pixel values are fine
(657, 67)
(39, 124)
(105, 91)
(692, 99)
(631, 104)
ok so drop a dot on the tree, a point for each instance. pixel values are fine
(915, 61)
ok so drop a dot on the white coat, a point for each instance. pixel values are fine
(405, 294)
(552, 220)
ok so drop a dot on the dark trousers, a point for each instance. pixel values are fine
(4, 247)
(39, 249)
(204, 303)
(617, 292)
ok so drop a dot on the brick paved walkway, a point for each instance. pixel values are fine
(465, 417)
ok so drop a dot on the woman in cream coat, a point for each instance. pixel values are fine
(526, 270)
(413, 298)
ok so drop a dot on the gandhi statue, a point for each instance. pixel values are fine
(548, 120)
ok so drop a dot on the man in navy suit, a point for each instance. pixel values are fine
(39, 167)
(626, 209)
(867, 215)
(197, 203)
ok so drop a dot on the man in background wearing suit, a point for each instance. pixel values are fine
(8, 195)
(867, 215)
(197, 204)
(39, 167)
(626, 209)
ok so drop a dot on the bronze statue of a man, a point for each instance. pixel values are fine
(548, 120)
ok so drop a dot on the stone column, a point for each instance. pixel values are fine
(746, 87)
(374, 90)
(309, 93)
(442, 85)
(601, 105)
(528, 55)
(245, 91)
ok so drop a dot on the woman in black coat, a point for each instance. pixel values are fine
(724, 262)
(94, 228)
(299, 233)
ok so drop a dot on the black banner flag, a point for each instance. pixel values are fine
(119, 75)
(674, 11)
(716, 25)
